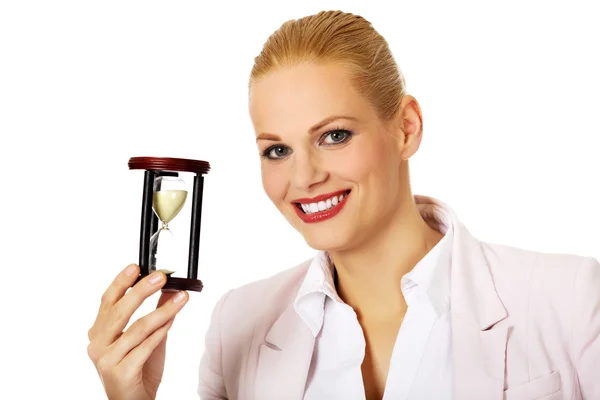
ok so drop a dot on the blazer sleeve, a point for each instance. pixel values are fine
(211, 384)
(586, 328)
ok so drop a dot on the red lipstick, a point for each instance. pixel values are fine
(320, 215)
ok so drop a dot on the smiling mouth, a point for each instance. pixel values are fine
(324, 205)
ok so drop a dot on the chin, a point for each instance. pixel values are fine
(324, 240)
(324, 244)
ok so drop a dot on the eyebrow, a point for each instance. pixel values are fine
(275, 138)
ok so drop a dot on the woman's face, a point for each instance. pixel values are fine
(328, 162)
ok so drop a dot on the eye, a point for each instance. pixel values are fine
(336, 136)
(276, 152)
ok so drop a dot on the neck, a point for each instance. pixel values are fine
(369, 275)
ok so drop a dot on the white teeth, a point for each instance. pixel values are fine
(322, 205)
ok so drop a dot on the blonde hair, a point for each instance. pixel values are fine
(337, 37)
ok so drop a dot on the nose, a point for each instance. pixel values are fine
(307, 172)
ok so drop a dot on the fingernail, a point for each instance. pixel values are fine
(178, 298)
(155, 278)
(129, 271)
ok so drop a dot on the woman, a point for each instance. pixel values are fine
(401, 302)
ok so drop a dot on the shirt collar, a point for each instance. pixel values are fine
(431, 274)
(317, 285)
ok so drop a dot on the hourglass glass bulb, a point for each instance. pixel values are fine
(169, 197)
(168, 200)
(168, 203)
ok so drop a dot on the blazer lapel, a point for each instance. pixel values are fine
(479, 361)
(479, 345)
(284, 359)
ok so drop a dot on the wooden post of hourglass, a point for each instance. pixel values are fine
(146, 224)
(195, 225)
(154, 167)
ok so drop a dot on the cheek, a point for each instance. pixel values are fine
(362, 161)
(274, 182)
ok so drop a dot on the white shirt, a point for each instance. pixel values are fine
(421, 363)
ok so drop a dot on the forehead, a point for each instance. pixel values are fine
(295, 98)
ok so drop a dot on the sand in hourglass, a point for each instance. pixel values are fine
(167, 204)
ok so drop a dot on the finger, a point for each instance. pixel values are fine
(145, 327)
(119, 315)
(119, 286)
(136, 358)
(114, 293)
(165, 296)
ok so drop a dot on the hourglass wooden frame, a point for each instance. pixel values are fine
(163, 166)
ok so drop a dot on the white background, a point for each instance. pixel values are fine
(509, 91)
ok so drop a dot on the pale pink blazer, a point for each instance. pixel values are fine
(525, 325)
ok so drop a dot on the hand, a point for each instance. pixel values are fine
(131, 363)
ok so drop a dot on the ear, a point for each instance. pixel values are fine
(410, 121)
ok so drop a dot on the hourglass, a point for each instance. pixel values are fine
(164, 197)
